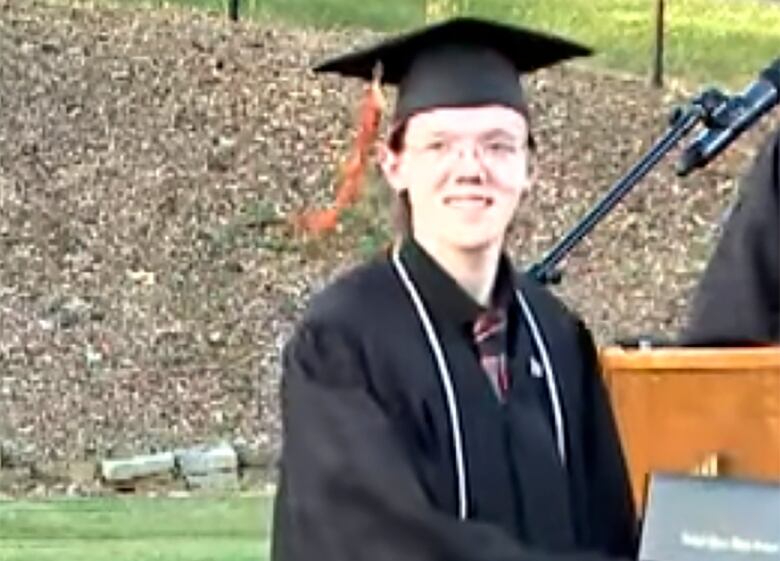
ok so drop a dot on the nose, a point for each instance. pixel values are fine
(470, 168)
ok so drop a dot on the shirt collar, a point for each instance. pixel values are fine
(446, 298)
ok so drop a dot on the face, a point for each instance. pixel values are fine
(464, 170)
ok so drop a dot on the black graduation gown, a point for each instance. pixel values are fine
(737, 300)
(367, 468)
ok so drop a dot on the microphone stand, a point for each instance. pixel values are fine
(681, 123)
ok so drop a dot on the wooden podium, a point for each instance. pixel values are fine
(704, 411)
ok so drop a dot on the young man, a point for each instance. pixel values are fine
(738, 299)
(437, 406)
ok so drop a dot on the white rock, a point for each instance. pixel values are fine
(138, 466)
(202, 460)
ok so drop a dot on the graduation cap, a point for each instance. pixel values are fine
(461, 62)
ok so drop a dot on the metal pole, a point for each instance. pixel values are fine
(233, 10)
(658, 62)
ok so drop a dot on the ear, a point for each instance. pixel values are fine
(390, 164)
(532, 174)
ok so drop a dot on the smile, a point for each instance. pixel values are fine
(468, 201)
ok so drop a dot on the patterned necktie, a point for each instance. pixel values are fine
(490, 338)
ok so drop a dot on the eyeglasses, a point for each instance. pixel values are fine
(487, 149)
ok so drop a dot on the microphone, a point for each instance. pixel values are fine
(731, 118)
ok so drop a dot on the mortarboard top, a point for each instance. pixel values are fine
(461, 62)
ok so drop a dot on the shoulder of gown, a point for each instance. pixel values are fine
(737, 300)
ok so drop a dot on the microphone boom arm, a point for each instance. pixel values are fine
(683, 120)
(724, 117)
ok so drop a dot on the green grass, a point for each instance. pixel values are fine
(135, 529)
(714, 41)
